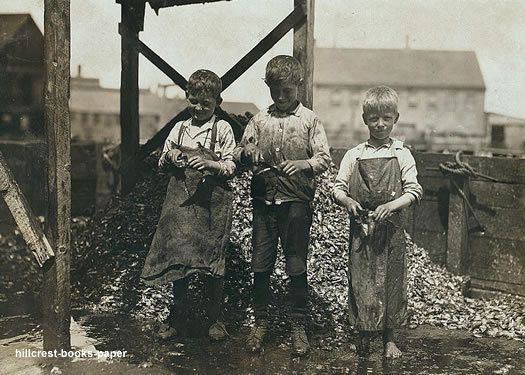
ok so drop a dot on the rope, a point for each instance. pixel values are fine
(459, 168)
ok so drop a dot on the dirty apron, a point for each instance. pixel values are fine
(194, 224)
(377, 264)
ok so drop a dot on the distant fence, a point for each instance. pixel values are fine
(89, 179)
(495, 259)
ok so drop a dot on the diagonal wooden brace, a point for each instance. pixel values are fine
(23, 215)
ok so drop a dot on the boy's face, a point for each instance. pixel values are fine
(380, 123)
(284, 95)
(202, 105)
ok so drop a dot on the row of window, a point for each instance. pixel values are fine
(451, 103)
(107, 119)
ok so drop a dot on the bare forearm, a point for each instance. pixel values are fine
(403, 201)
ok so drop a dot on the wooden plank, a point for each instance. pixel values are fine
(56, 281)
(435, 188)
(159, 62)
(486, 194)
(503, 223)
(434, 242)
(457, 231)
(504, 169)
(497, 259)
(480, 288)
(303, 50)
(129, 90)
(427, 164)
(430, 216)
(297, 15)
(23, 215)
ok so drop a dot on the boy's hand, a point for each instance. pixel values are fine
(172, 155)
(352, 206)
(252, 153)
(200, 164)
(383, 211)
(291, 167)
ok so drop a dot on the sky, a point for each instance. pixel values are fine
(216, 35)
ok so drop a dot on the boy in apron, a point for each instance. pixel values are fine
(286, 146)
(195, 221)
(376, 180)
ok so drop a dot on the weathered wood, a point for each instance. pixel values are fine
(303, 50)
(296, 16)
(56, 284)
(430, 217)
(23, 215)
(480, 288)
(131, 15)
(159, 62)
(503, 223)
(500, 260)
(434, 188)
(457, 231)
(493, 194)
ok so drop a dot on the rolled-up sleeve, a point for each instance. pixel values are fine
(340, 189)
(320, 160)
(227, 145)
(409, 175)
(169, 144)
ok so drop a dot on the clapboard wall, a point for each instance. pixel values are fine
(494, 259)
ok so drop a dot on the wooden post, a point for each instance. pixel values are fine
(132, 21)
(303, 50)
(56, 284)
(457, 231)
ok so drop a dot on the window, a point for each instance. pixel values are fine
(85, 118)
(432, 103)
(497, 134)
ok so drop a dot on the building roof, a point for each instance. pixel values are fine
(10, 24)
(500, 119)
(397, 68)
(239, 108)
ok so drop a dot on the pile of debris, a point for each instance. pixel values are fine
(110, 249)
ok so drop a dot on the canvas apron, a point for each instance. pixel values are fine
(377, 264)
(194, 224)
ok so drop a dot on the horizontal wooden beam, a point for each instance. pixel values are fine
(25, 219)
(295, 17)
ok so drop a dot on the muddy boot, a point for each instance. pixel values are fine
(217, 332)
(300, 343)
(255, 340)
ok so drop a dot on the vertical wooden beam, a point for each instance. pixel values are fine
(303, 50)
(132, 21)
(56, 284)
(457, 231)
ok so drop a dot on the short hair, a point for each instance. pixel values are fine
(205, 81)
(380, 98)
(283, 68)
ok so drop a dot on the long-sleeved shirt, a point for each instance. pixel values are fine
(193, 136)
(365, 150)
(298, 135)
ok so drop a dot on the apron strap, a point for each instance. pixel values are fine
(213, 140)
(181, 133)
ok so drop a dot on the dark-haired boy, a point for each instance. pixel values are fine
(287, 147)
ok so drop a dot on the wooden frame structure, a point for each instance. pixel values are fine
(52, 250)
(301, 19)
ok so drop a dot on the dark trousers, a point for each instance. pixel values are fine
(290, 222)
(214, 291)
